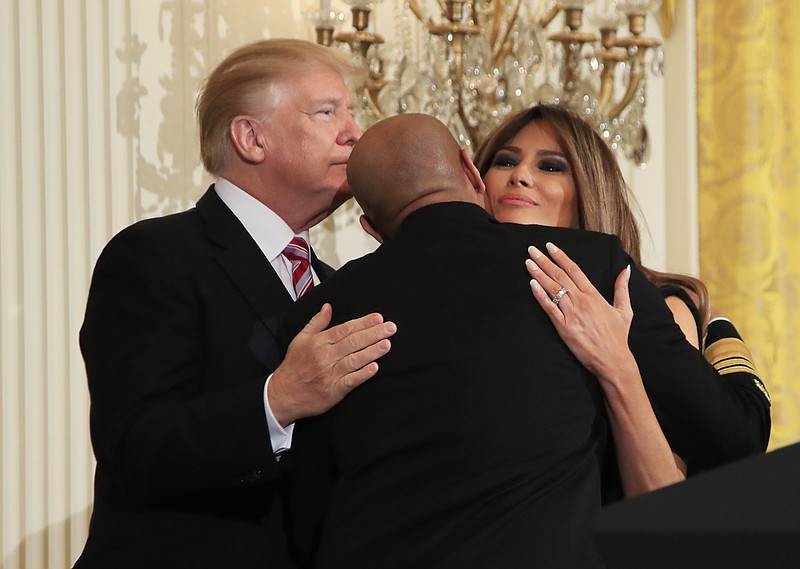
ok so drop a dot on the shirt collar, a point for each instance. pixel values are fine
(268, 230)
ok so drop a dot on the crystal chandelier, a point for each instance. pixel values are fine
(485, 59)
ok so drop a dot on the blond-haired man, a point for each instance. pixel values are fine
(191, 403)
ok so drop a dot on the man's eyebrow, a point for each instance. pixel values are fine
(333, 100)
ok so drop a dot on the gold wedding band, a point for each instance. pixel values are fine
(559, 295)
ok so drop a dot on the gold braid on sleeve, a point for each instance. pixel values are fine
(731, 355)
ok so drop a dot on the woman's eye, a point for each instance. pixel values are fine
(504, 162)
(552, 166)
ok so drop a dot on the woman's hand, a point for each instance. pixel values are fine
(595, 331)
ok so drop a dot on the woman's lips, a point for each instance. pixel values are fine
(517, 199)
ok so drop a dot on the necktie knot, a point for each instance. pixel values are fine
(297, 253)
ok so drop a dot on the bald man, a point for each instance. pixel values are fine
(481, 440)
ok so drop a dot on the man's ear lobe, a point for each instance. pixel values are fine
(367, 226)
(248, 139)
(472, 173)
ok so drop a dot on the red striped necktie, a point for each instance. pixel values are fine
(297, 253)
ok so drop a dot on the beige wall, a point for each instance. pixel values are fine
(96, 131)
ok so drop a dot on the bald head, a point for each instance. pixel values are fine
(405, 162)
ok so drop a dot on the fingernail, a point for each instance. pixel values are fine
(551, 248)
(531, 265)
(534, 252)
(535, 285)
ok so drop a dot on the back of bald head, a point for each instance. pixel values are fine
(402, 163)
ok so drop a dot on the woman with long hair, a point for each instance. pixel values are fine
(547, 165)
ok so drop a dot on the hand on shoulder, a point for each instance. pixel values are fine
(323, 364)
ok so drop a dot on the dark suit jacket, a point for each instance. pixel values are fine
(481, 441)
(179, 337)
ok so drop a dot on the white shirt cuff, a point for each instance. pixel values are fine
(280, 438)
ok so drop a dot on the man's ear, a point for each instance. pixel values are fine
(248, 139)
(472, 173)
(367, 226)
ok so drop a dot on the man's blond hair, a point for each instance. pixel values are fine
(249, 81)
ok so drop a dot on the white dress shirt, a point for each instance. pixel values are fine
(271, 234)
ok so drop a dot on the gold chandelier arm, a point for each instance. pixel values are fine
(417, 10)
(372, 104)
(537, 14)
(458, 52)
(545, 20)
(634, 80)
(472, 132)
(503, 49)
(494, 31)
(606, 88)
(637, 69)
(610, 59)
(667, 17)
(498, 9)
(503, 54)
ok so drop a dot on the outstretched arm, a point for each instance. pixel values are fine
(597, 333)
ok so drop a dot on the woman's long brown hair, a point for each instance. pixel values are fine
(604, 199)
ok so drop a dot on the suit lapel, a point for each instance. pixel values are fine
(244, 262)
(323, 270)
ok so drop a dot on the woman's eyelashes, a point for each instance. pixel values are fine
(549, 164)
(553, 165)
(505, 160)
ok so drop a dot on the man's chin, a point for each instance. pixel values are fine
(342, 195)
